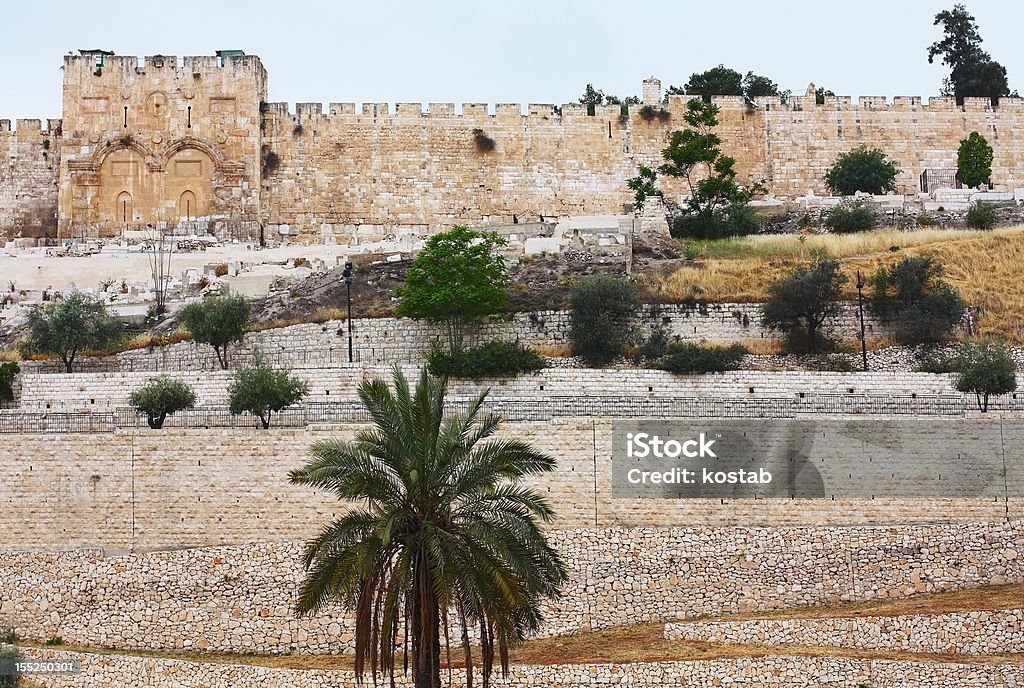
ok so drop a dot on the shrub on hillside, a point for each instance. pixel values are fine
(735, 219)
(602, 318)
(161, 397)
(981, 215)
(65, 329)
(687, 357)
(913, 297)
(493, 359)
(849, 217)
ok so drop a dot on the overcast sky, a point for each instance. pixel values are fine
(525, 51)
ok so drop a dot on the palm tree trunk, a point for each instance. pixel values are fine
(426, 632)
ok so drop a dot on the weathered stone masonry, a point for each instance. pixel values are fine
(193, 140)
(240, 599)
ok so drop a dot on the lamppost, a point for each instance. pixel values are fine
(860, 307)
(347, 276)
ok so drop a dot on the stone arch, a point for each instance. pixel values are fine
(211, 150)
(147, 154)
(127, 188)
(188, 188)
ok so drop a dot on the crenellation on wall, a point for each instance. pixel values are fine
(407, 168)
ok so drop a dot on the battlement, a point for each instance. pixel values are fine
(130, 65)
(475, 112)
(30, 126)
(798, 103)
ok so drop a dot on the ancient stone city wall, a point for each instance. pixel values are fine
(406, 168)
(100, 671)
(29, 173)
(199, 142)
(178, 487)
(240, 599)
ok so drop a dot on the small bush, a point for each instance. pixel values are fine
(161, 397)
(655, 345)
(297, 130)
(493, 359)
(926, 220)
(649, 113)
(220, 269)
(603, 311)
(981, 215)
(55, 641)
(851, 217)
(736, 219)
(270, 161)
(939, 364)
(687, 357)
(8, 636)
(483, 142)
(8, 371)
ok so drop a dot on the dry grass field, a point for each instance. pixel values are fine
(985, 267)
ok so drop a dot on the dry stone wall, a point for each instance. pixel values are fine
(100, 671)
(177, 487)
(982, 632)
(240, 599)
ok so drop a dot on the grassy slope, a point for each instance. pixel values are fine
(646, 643)
(985, 267)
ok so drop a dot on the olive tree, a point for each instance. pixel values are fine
(217, 321)
(912, 295)
(802, 302)
(984, 370)
(261, 390)
(160, 397)
(602, 318)
(974, 160)
(67, 328)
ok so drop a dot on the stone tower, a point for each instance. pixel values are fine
(652, 91)
(162, 144)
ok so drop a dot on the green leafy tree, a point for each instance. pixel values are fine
(821, 93)
(8, 371)
(800, 304)
(592, 97)
(716, 203)
(261, 390)
(67, 328)
(603, 310)
(218, 321)
(717, 81)
(974, 160)
(644, 186)
(862, 169)
(457, 279)
(724, 81)
(440, 531)
(912, 295)
(972, 71)
(160, 397)
(984, 370)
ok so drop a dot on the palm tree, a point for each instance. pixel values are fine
(440, 531)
